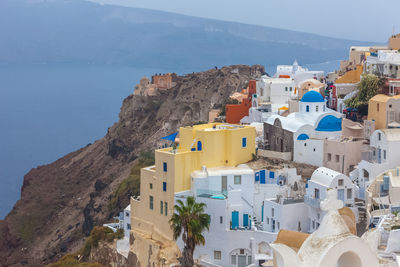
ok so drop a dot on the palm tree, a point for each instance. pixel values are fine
(190, 221)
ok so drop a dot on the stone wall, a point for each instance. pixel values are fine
(278, 139)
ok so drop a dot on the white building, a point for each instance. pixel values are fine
(332, 244)
(234, 197)
(276, 91)
(383, 154)
(384, 63)
(230, 194)
(321, 180)
(298, 73)
(309, 127)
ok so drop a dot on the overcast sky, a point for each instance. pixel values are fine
(364, 20)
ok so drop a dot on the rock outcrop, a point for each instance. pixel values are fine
(61, 202)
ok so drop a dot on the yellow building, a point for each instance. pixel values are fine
(210, 145)
(352, 76)
(385, 111)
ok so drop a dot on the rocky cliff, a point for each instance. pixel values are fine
(61, 202)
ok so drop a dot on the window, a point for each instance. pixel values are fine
(165, 166)
(151, 186)
(241, 251)
(337, 158)
(290, 89)
(384, 154)
(272, 212)
(128, 226)
(244, 142)
(267, 220)
(220, 219)
(237, 179)
(379, 136)
(166, 209)
(217, 254)
(164, 186)
(307, 108)
(377, 107)
(390, 106)
(329, 156)
(313, 224)
(318, 216)
(305, 144)
(249, 260)
(323, 107)
(349, 193)
(316, 193)
(161, 207)
(127, 214)
(233, 259)
(314, 149)
(151, 202)
(340, 182)
(316, 108)
(286, 89)
(317, 225)
(279, 225)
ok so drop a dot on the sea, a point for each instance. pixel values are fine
(49, 110)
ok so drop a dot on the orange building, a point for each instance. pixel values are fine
(235, 112)
(163, 81)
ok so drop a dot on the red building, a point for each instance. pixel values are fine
(235, 112)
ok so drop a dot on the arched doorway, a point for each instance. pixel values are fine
(349, 259)
(240, 257)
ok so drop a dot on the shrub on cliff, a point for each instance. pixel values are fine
(367, 88)
(99, 233)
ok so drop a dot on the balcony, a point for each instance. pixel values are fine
(313, 202)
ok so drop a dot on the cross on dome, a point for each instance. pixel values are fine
(331, 203)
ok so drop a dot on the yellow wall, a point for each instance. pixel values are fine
(378, 114)
(352, 76)
(220, 147)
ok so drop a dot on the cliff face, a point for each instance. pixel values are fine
(62, 201)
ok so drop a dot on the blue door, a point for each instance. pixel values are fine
(262, 177)
(257, 176)
(235, 219)
(245, 220)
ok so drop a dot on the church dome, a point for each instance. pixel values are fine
(312, 96)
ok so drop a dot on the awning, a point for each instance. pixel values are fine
(394, 124)
(382, 200)
(283, 108)
(170, 137)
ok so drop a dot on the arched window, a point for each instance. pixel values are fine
(199, 146)
(307, 108)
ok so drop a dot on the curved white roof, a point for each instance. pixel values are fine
(325, 176)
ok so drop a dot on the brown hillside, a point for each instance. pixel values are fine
(61, 202)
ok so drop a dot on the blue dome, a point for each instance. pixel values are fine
(329, 124)
(303, 136)
(312, 96)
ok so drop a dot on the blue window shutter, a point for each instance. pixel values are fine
(199, 146)
(257, 175)
(307, 108)
(271, 175)
(245, 220)
(262, 177)
(235, 219)
(165, 166)
(164, 186)
(244, 142)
